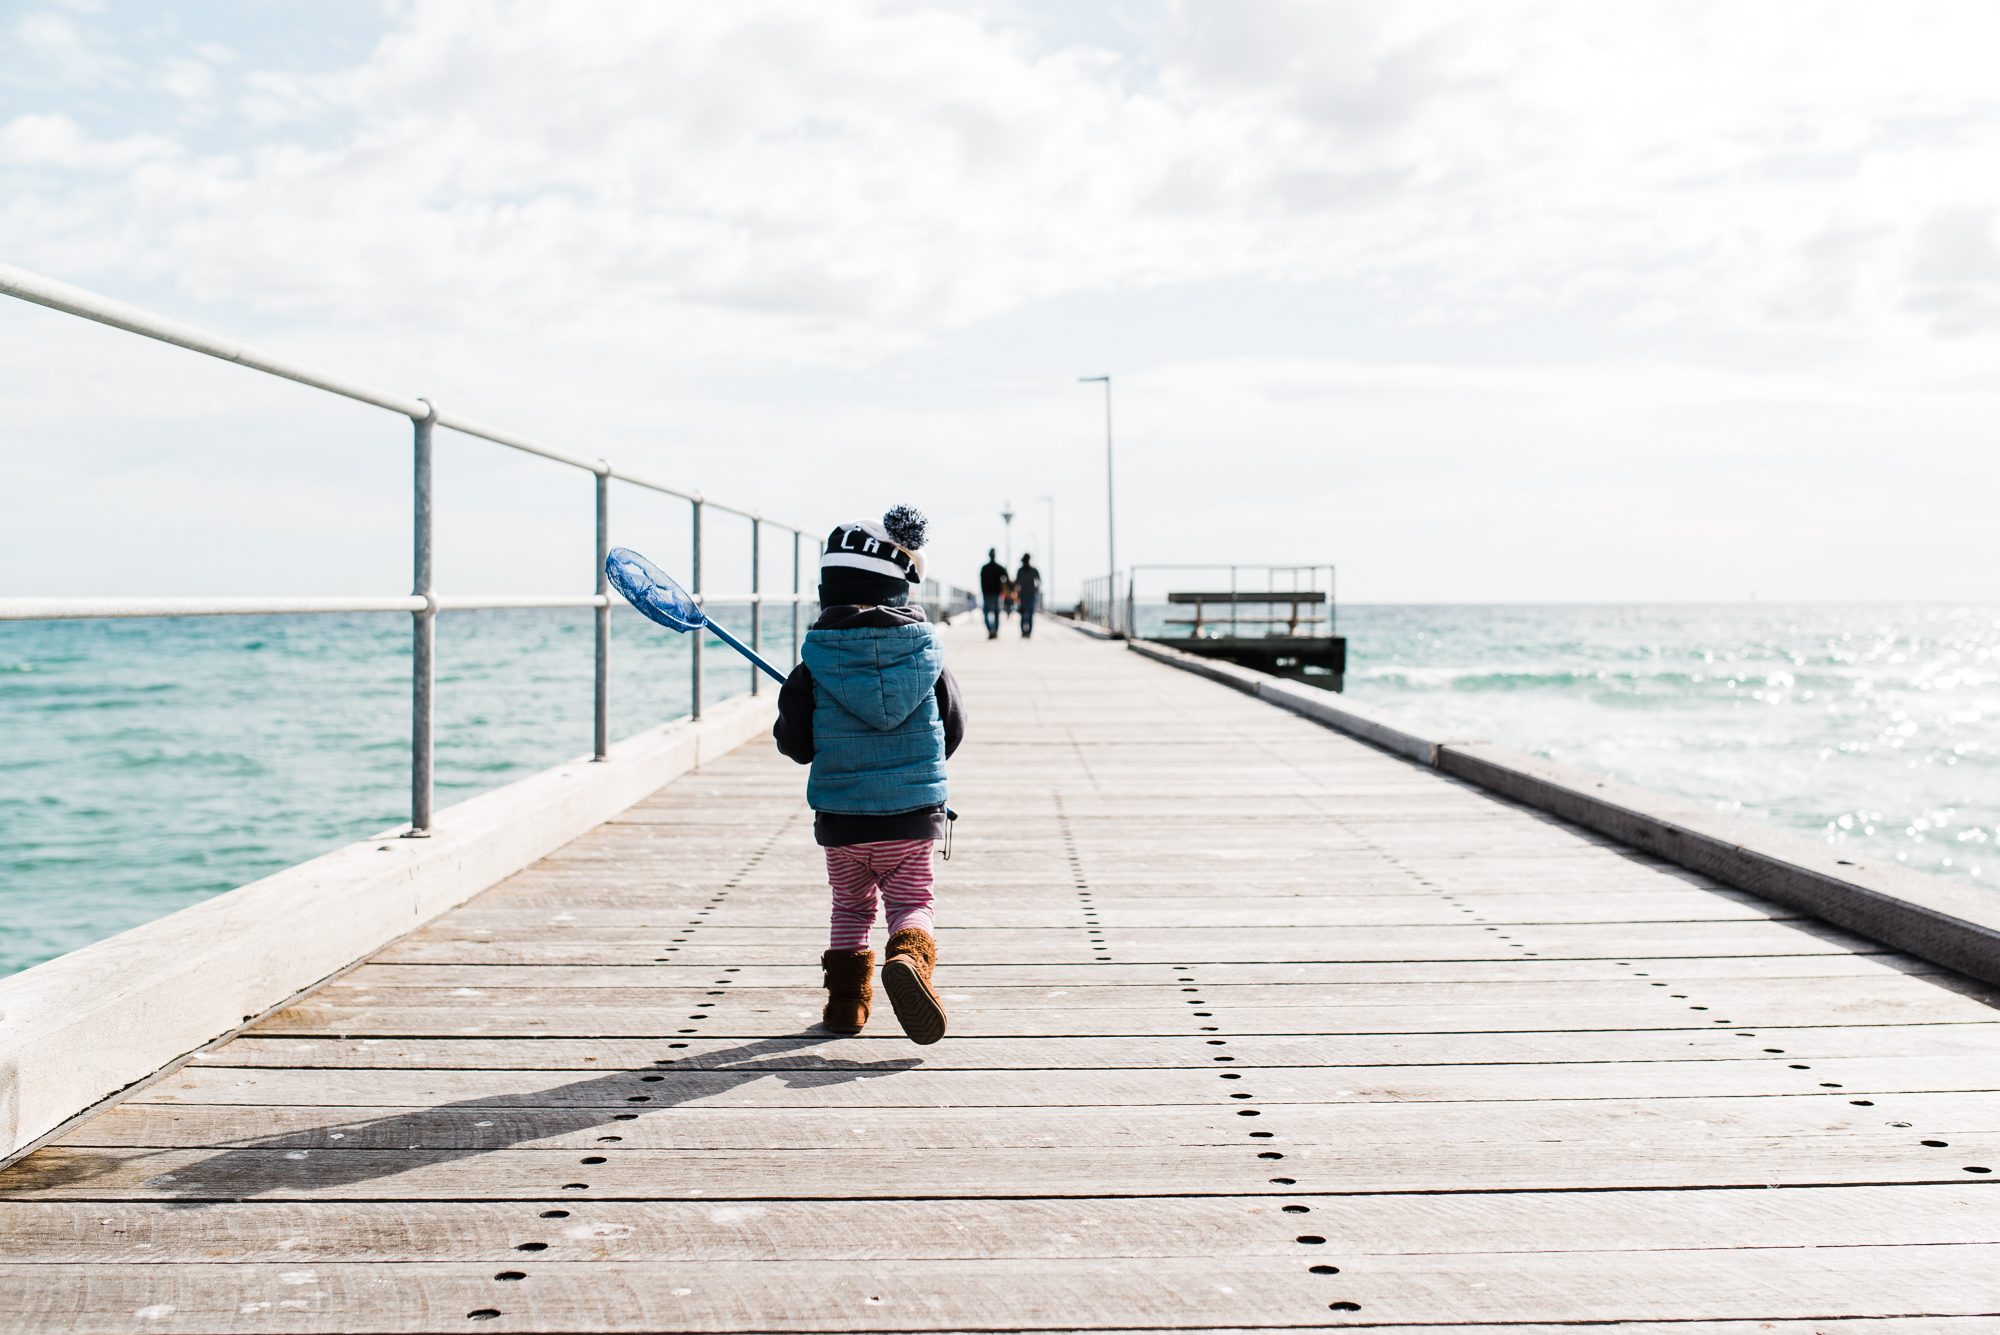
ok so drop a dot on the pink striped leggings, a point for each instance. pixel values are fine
(900, 869)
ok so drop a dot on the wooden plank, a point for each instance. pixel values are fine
(913, 1086)
(295, 1233)
(448, 943)
(828, 1051)
(1171, 913)
(1311, 1110)
(596, 913)
(971, 1021)
(1313, 596)
(503, 1123)
(1779, 1283)
(806, 975)
(1225, 990)
(1060, 1166)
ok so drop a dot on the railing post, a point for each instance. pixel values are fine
(694, 647)
(603, 701)
(423, 642)
(795, 597)
(756, 604)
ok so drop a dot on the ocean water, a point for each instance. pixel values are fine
(1873, 728)
(148, 764)
(145, 765)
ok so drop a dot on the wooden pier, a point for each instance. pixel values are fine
(1253, 1026)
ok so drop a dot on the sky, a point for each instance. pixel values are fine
(1482, 301)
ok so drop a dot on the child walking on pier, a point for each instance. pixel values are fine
(872, 708)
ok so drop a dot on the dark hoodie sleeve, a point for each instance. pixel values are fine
(951, 708)
(794, 728)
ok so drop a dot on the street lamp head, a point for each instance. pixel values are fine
(1092, 379)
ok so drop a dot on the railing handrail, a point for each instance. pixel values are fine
(1117, 612)
(73, 300)
(72, 609)
(423, 602)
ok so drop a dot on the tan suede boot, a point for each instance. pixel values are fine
(848, 975)
(907, 962)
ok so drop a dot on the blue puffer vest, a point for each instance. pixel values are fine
(878, 743)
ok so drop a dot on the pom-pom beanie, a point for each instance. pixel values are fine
(874, 562)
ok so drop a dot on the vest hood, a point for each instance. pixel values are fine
(879, 674)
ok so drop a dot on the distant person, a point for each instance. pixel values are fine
(1007, 597)
(992, 580)
(875, 712)
(1027, 592)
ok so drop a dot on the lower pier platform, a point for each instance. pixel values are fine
(1317, 661)
(1252, 1026)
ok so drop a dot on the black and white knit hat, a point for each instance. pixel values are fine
(873, 562)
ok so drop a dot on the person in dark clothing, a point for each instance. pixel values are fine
(992, 583)
(875, 712)
(1028, 591)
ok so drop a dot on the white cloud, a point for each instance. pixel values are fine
(909, 169)
(51, 50)
(56, 141)
(1608, 223)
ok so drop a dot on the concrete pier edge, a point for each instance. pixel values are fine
(1933, 919)
(93, 1026)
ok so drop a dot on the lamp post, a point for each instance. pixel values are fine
(1049, 564)
(1007, 543)
(1110, 498)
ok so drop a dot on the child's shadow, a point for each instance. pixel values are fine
(335, 1155)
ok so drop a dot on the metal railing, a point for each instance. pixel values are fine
(424, 602)
(1280, 584)
(1107, 602)
(941, 602)
(1111, 601)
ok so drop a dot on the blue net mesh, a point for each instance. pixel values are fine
(651, 590)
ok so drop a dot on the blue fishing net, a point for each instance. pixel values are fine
(651, 590)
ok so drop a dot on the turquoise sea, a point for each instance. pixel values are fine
(148, 764)
(1875, 728)
(145, 765)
